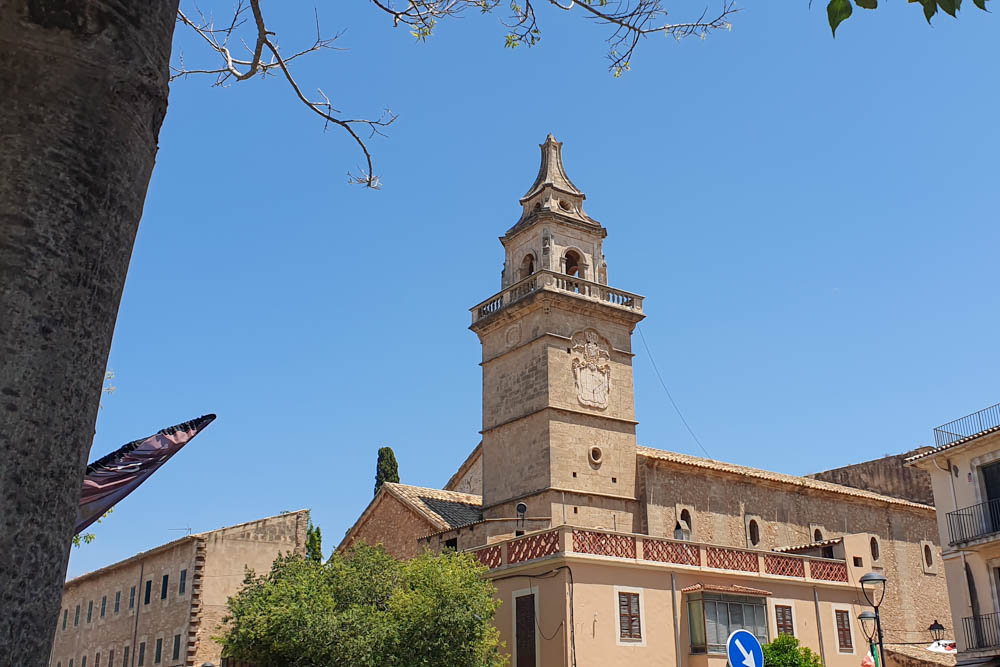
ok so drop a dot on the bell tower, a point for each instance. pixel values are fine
(558, 409)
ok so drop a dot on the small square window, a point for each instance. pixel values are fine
(858, 562)
(614, 480)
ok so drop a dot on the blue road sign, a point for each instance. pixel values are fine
(744, 650)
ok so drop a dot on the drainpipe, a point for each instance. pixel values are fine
(138, 606)
(819, 627)
(677, 619)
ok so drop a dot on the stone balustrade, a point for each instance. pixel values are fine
(587, 542)
(557, 282)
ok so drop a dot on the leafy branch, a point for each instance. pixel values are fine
(839, 11)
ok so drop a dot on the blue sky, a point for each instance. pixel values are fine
(812, 221)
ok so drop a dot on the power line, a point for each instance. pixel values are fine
(667, 392)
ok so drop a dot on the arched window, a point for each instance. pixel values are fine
(527, 266)
(928, 555)
(817, 535)
(682, 529)
(874, 549)
(572, 263)
(754, 533)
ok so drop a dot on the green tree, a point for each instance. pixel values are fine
(838, 11)
(365, 609)
(785, 651)
(386, 470)
(314, 544)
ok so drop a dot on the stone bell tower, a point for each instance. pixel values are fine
(558, 409)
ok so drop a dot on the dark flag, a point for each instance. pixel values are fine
(111, 478)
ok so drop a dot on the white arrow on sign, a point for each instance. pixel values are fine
(747, 657)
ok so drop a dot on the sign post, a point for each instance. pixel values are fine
(744, 650)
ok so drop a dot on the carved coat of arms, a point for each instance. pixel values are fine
(591, 368)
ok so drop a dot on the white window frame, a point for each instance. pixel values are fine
(850, 626)
(774, 617)
(533, 590)
(642, 616)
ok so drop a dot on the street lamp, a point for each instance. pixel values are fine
(937, 630)
(873, 588)
(868, 627)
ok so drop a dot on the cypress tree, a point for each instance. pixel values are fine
(314, 544)
(386, 470)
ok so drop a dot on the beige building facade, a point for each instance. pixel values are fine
(965, 472)
(160, 608)
(605, 552)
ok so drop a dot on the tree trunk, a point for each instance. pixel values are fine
(83, 91)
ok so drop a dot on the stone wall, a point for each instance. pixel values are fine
(393, 525)
(887, 476)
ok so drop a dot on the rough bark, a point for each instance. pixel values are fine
(83, 91)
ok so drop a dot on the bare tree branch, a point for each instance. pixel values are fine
(630, 21)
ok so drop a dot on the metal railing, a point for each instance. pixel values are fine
(981, 631)
(968, 425)
(971, 523)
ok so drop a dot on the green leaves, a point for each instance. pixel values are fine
(364, 608)
(839, 11)
(785, 651)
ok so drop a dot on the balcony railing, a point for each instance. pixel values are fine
(643, 548)
(972, 523)
(969, 425)
(558, 282)
(981, 632)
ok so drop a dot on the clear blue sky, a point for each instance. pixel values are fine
(813, 223)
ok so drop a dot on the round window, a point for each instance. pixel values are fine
(928, 555)
(874, 548)
(596, 455)
(565, 205)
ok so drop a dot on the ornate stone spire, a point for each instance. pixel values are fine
(551, 171)
(552, 190)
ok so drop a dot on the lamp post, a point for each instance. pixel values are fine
(873, 587)
(868, 627)
(937, 630)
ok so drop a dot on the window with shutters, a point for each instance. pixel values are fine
(76, 617)
(90, 611)
(118, 601)
(131, 598)
(629, 621)
(525, 654)
(712, 617)
(783, 619)
(65, 616)
(844, 641)
(104, 605)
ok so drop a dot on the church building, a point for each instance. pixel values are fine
(605, 552)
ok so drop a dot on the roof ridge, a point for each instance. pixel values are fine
(781, 477)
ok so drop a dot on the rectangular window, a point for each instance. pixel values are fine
(104, 605)
(125, 657)
(65, 616)
(149, 591)
(131, 598)
(71, 662)
(142, 654)
(844, 630)
(118, 601)
(159, 651)
(76, 617)
(182, 586)
(163, 587)
(783, 619)
(97, 659)
(90, 614)
(111, 658)
(83, 661)
(628, 616)
(177, 647)
(713, 617)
